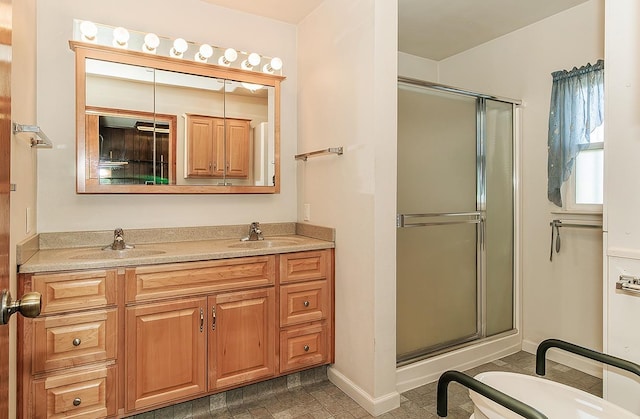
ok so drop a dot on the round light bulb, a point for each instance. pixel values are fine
(89, 30)
(120, 37)
(204, 53)
(230, 55)
(254, 59)
(179, 47)
(151, 42)
(276, 63)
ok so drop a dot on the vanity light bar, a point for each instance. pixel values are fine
(119, 37)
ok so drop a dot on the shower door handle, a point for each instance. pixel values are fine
(438, 218)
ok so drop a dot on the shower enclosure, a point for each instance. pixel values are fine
(455, 203)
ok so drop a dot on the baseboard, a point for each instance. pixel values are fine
(375, 406)
(569, 359)
(429, 370)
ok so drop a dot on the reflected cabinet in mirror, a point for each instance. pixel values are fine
(153, 124)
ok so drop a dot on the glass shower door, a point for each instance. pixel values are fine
(439, 224)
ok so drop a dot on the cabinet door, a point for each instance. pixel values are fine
(165, 352)
(200, 146)
(241, 337)
(237, 148)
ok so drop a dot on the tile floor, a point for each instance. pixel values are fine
(309, 395)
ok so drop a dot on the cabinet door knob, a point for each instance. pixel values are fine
(306, 303)
(306, 348)
(77, 401)
(76, 342)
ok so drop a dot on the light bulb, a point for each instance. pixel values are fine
(274, 65)
(204, 53)
(179, 47)
(151, 42)
(88, 31)
(252, 60)
(120, 37)
(230, 55)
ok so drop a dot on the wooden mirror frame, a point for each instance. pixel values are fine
(85, 184)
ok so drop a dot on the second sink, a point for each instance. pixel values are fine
(262, 244)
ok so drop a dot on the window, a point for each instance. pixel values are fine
(576, 138)
(585, 188)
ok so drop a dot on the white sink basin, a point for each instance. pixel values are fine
(264, 244)
(118, 254)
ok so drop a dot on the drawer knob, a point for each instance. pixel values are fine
(306, 348)
(76, 342)
(306, 303)
(77, 401)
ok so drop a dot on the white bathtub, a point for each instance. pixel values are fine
(555, 400)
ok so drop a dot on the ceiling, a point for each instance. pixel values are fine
(434, 29)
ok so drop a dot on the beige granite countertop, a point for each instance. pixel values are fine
(76, 250)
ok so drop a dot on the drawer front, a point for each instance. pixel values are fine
(304, 266)
(145, 283)
(303, 347)
(304, 302)
(74, 339)
(82, 394)
(75, 290)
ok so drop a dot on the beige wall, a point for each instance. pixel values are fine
(59, 207)
(563, 298)
(347, 98)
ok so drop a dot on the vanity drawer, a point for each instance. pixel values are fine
(81, 394)
(304, 266)
(163, 281)
(304, 302)
(303, 347)
(74, 339)
(75, 290)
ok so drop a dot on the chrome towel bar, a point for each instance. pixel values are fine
(331, 150)
(555, 231)
(42, 142)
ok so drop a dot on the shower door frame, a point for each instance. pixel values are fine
(480, 213)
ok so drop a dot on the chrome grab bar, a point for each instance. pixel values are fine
(401, 219)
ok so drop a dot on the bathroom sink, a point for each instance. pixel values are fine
(264, 244)
(118, 254)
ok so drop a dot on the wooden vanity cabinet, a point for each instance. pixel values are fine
(306, 310)
(217, 147)
(68, 354)
(115, 343)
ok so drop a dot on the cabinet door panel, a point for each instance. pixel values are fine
(304, 266)
(74, 339)
(166, 352)
(303, 347)
(75, 290)
(304, 302)
(80, 394)
(237, 148)
(241, 337)
(200, 146)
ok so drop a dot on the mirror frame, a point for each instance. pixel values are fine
(84, 184)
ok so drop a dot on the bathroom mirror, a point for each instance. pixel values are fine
(153, 124)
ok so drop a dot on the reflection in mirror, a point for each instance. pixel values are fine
(225, 133)
(130, 151)
(174, 126)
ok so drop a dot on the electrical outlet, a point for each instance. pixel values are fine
(307, 212)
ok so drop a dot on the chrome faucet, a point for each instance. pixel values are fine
(118, 241)
(255, 233)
